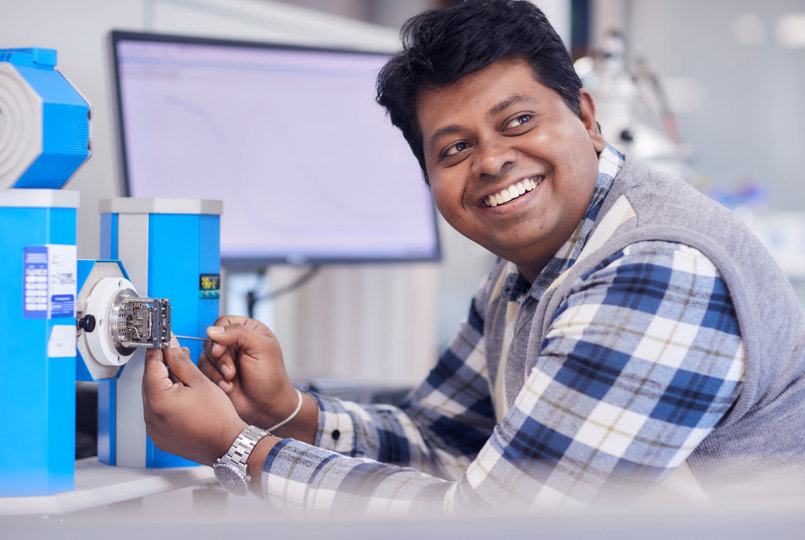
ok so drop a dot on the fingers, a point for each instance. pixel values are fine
(221, 356)
(238, 346)
(232, 336)
(229, 342)
(158, 387)
(251, 324)
(235, 336)
(210, 369)
(190, 417)
(227, 320)
(156, 377)
(213, 348)
(181, 367)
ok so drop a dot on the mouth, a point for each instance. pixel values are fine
(512, 192)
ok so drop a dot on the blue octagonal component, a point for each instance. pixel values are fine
(44, 129)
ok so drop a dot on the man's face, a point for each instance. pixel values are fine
(511, 166)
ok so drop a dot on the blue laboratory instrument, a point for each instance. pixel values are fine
(44, 138)
(70, 320)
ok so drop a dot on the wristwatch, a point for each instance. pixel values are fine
(230, 470)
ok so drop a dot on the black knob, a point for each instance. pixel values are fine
(87, 323)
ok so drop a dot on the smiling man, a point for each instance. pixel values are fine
(511, 166)
(632, 333)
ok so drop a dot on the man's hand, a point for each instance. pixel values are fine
(245, 360)
(185, 413)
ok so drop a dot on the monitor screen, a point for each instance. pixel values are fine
(308, 166)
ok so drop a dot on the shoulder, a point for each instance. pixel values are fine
(662, 254)
(654, 262)
(657, 278)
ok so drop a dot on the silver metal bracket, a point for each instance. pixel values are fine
(140, 322)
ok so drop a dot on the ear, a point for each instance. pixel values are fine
(588, 119)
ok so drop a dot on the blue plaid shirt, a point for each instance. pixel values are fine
(636, 369)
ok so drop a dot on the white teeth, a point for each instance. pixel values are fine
(511, 192)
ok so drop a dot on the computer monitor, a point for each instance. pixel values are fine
(308, 166)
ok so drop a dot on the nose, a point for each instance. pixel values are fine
(493, 156)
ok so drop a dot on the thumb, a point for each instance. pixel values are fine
(181, 367)
(156, 376)
(236, 336)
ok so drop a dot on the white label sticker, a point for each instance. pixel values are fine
(61, 280)
(49, 281)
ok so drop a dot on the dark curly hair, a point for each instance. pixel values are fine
(442, 45)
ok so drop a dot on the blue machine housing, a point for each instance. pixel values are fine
(171, 249)
(37, 385)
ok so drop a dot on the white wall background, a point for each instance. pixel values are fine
(735, 72)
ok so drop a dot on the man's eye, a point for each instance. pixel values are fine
(519, 121)
(455, 149)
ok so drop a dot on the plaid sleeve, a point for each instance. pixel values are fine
(641, 362)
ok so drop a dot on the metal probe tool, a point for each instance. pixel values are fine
(194, 338)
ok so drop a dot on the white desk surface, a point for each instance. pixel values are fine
(98, 484)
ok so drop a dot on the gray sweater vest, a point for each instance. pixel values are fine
(766, 426)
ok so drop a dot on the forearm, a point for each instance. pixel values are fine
(303, 428)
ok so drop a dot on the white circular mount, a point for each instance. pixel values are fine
(100, 343)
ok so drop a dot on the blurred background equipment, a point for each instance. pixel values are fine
(632, 107)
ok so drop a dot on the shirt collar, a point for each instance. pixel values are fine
(515, 286)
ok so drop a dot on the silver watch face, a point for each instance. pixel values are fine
(231, 478)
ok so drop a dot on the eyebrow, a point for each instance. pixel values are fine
(503, 105)
(495, 110)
